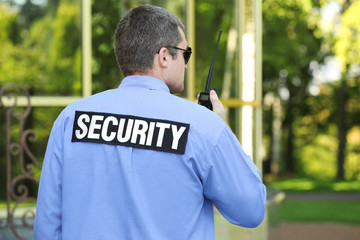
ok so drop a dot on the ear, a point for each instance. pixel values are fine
(163, 57)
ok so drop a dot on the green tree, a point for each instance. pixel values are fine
(64, 63)
(290, 44)
(346, 48)
(105, 17)
(211, 16)
(43, 49)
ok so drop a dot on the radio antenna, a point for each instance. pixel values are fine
(212, 65)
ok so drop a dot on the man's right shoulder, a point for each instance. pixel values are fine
(205, 123)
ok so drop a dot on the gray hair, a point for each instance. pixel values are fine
(141, 33)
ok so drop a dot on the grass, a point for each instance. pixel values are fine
(3, 204)
(320, 211)
(346, 212)
(313, 185)
(306, 210)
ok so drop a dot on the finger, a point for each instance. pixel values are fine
(218, 108)
(197, 99)
(215, 99)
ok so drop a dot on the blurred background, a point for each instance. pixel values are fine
(302, 62)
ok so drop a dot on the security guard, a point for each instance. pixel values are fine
(139, 163)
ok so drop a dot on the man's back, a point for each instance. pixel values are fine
(138, 188)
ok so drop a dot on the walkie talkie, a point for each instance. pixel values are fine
(204, 98)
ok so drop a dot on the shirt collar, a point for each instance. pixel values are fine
(146, 82)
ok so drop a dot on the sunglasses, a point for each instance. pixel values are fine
(187, 52)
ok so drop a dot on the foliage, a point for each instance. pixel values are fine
(211, 16)
(297, 42)
(347, 49)
(290, 44)
(46, 47)
(105, 73)
(318, 157)
(347, 46)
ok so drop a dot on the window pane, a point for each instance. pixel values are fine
(40, 45)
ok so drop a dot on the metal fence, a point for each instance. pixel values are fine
(17, 221)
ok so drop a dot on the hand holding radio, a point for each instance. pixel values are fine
(217, 106)
(209, 99)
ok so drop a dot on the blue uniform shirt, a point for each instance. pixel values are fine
(138, 163)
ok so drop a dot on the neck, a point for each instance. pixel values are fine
(151, 73)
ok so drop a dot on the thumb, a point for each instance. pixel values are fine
(218, 107)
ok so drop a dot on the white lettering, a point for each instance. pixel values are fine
(105, 129)
(94, 126)
(127, 136)
(150, 134)
(80, 122)
(162, 127)
(176, 135)
(139, 131)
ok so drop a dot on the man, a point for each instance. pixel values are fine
(139, 163)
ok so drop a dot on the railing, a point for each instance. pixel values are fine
(20, 158)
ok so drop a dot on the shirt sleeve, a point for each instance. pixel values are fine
(233, 183)
(48, 224)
